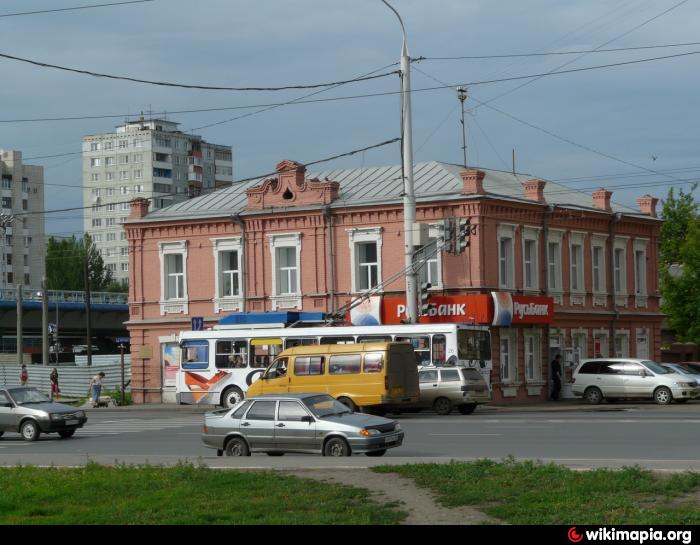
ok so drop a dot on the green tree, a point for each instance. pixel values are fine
(679, 254)
(65, 265)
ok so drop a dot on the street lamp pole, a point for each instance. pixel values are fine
(462, 96)
(409, 199)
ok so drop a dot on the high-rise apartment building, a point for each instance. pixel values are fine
(22, 259)
(144, 158)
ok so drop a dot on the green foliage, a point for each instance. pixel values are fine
(116, 395)
(184, 494)
(680, 264)
(65, 265)
(537, 493)
(117, 287)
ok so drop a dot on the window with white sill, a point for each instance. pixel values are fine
(173, 270)
(365, 257)
(530, 264)
(286, 267)
(533, 360)
(228, 279)
(508, 358)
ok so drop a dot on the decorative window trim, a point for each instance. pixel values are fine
(535, 334)
(506, 231)
(599, 241)
(601, 333)
(364, 234)
(625, 335)
(621, 244)
(512, 337)
(180, 305)
(435, 231)
(229, 303)
(555, 236)
(285, 240)
(641, 292)
(577, 239)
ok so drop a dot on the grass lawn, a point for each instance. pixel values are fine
(537, 493)
(179, 495)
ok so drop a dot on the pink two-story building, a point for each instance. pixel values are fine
(581, 272)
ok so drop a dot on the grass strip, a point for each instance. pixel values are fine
(537, 493)
(184, 494)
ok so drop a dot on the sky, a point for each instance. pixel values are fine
(630, 128)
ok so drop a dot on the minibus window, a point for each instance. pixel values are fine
(374, 362)
(195, 355)
(263, 351)
(289, 343)
(337, 340)
(308, 365)
(345, 364)
(421, 346)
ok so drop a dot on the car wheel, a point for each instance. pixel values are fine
(29, 430)
(336, 446)
(376, 453)
(231, 396)
(442, 406)
(593, 395)
(237, 447)
(348, 403)
(466, 408)
(663, 396)
(275, 453)
(66, 434)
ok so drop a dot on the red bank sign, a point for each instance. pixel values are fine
(498, 308)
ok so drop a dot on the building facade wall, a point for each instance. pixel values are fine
(326, 240)
(24, 243)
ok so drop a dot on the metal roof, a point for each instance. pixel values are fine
(433, 181)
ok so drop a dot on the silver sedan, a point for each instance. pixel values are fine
(306, 423)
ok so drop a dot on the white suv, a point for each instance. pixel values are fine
(616, 378)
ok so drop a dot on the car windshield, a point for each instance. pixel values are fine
(325, 405)
(656, 368)
(684, 369)
(22, 396)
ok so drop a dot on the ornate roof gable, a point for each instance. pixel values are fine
(290, 188)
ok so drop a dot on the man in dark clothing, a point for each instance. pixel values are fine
(556, 377)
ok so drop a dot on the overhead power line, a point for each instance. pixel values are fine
(551, 53)
(187, 86)
(74, 8)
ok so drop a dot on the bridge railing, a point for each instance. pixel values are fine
(60, 296)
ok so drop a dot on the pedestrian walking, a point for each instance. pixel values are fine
(556, 377)
(55, 390)
(23, 375)
(96, 387)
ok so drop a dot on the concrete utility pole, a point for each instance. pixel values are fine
(462, 96)
(20, 339)
(409, 199)
(44, 322)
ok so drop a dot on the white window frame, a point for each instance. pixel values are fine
(604, 346)
(532, 341)
(623, 335)
(600, 294)
(511, 365)
(579, 340)
(640, 248)
(95, 162)
(285, 240)
(434, 234)
(577, 240)
(553, 260)
(642, 338)
(506, 261)
(227, 303)
(531, 235)
(364, 235)
(179, 305)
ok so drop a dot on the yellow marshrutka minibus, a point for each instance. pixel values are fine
(379, 376)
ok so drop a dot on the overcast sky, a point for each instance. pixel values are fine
(629, 114)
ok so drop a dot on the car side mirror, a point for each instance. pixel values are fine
(643, 373)
(309, 419)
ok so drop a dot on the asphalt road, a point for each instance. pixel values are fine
(610, 436)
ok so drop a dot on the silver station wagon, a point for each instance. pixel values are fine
(28, 411)
(307, 423)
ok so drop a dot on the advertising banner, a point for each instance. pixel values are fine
(367, 312)
(532, 310)
(474, 309)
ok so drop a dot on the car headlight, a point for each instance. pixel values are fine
(80, 414)
(56, 416)
(685, 384)
(397, 427)
(368, 433)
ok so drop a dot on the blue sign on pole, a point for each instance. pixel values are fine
(123, 340)
(197, 323)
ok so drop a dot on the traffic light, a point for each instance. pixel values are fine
(463, 234)
(425, 306)
(448, 235)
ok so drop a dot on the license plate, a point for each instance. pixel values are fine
(71, 422)
(397, 391)
(392, 439)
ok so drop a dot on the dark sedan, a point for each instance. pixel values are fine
(27, 411)
(308, 423)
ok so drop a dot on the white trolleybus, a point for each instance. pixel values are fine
(218, 365)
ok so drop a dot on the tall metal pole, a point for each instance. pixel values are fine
(409, 199)
(20, 339)
(88, 316)
(44, 322)
(121, 359)
(462, 96)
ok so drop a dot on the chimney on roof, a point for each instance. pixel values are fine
(139, 208)
(534, 190)
(601, 199)
(473, 182)
(647, 205)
